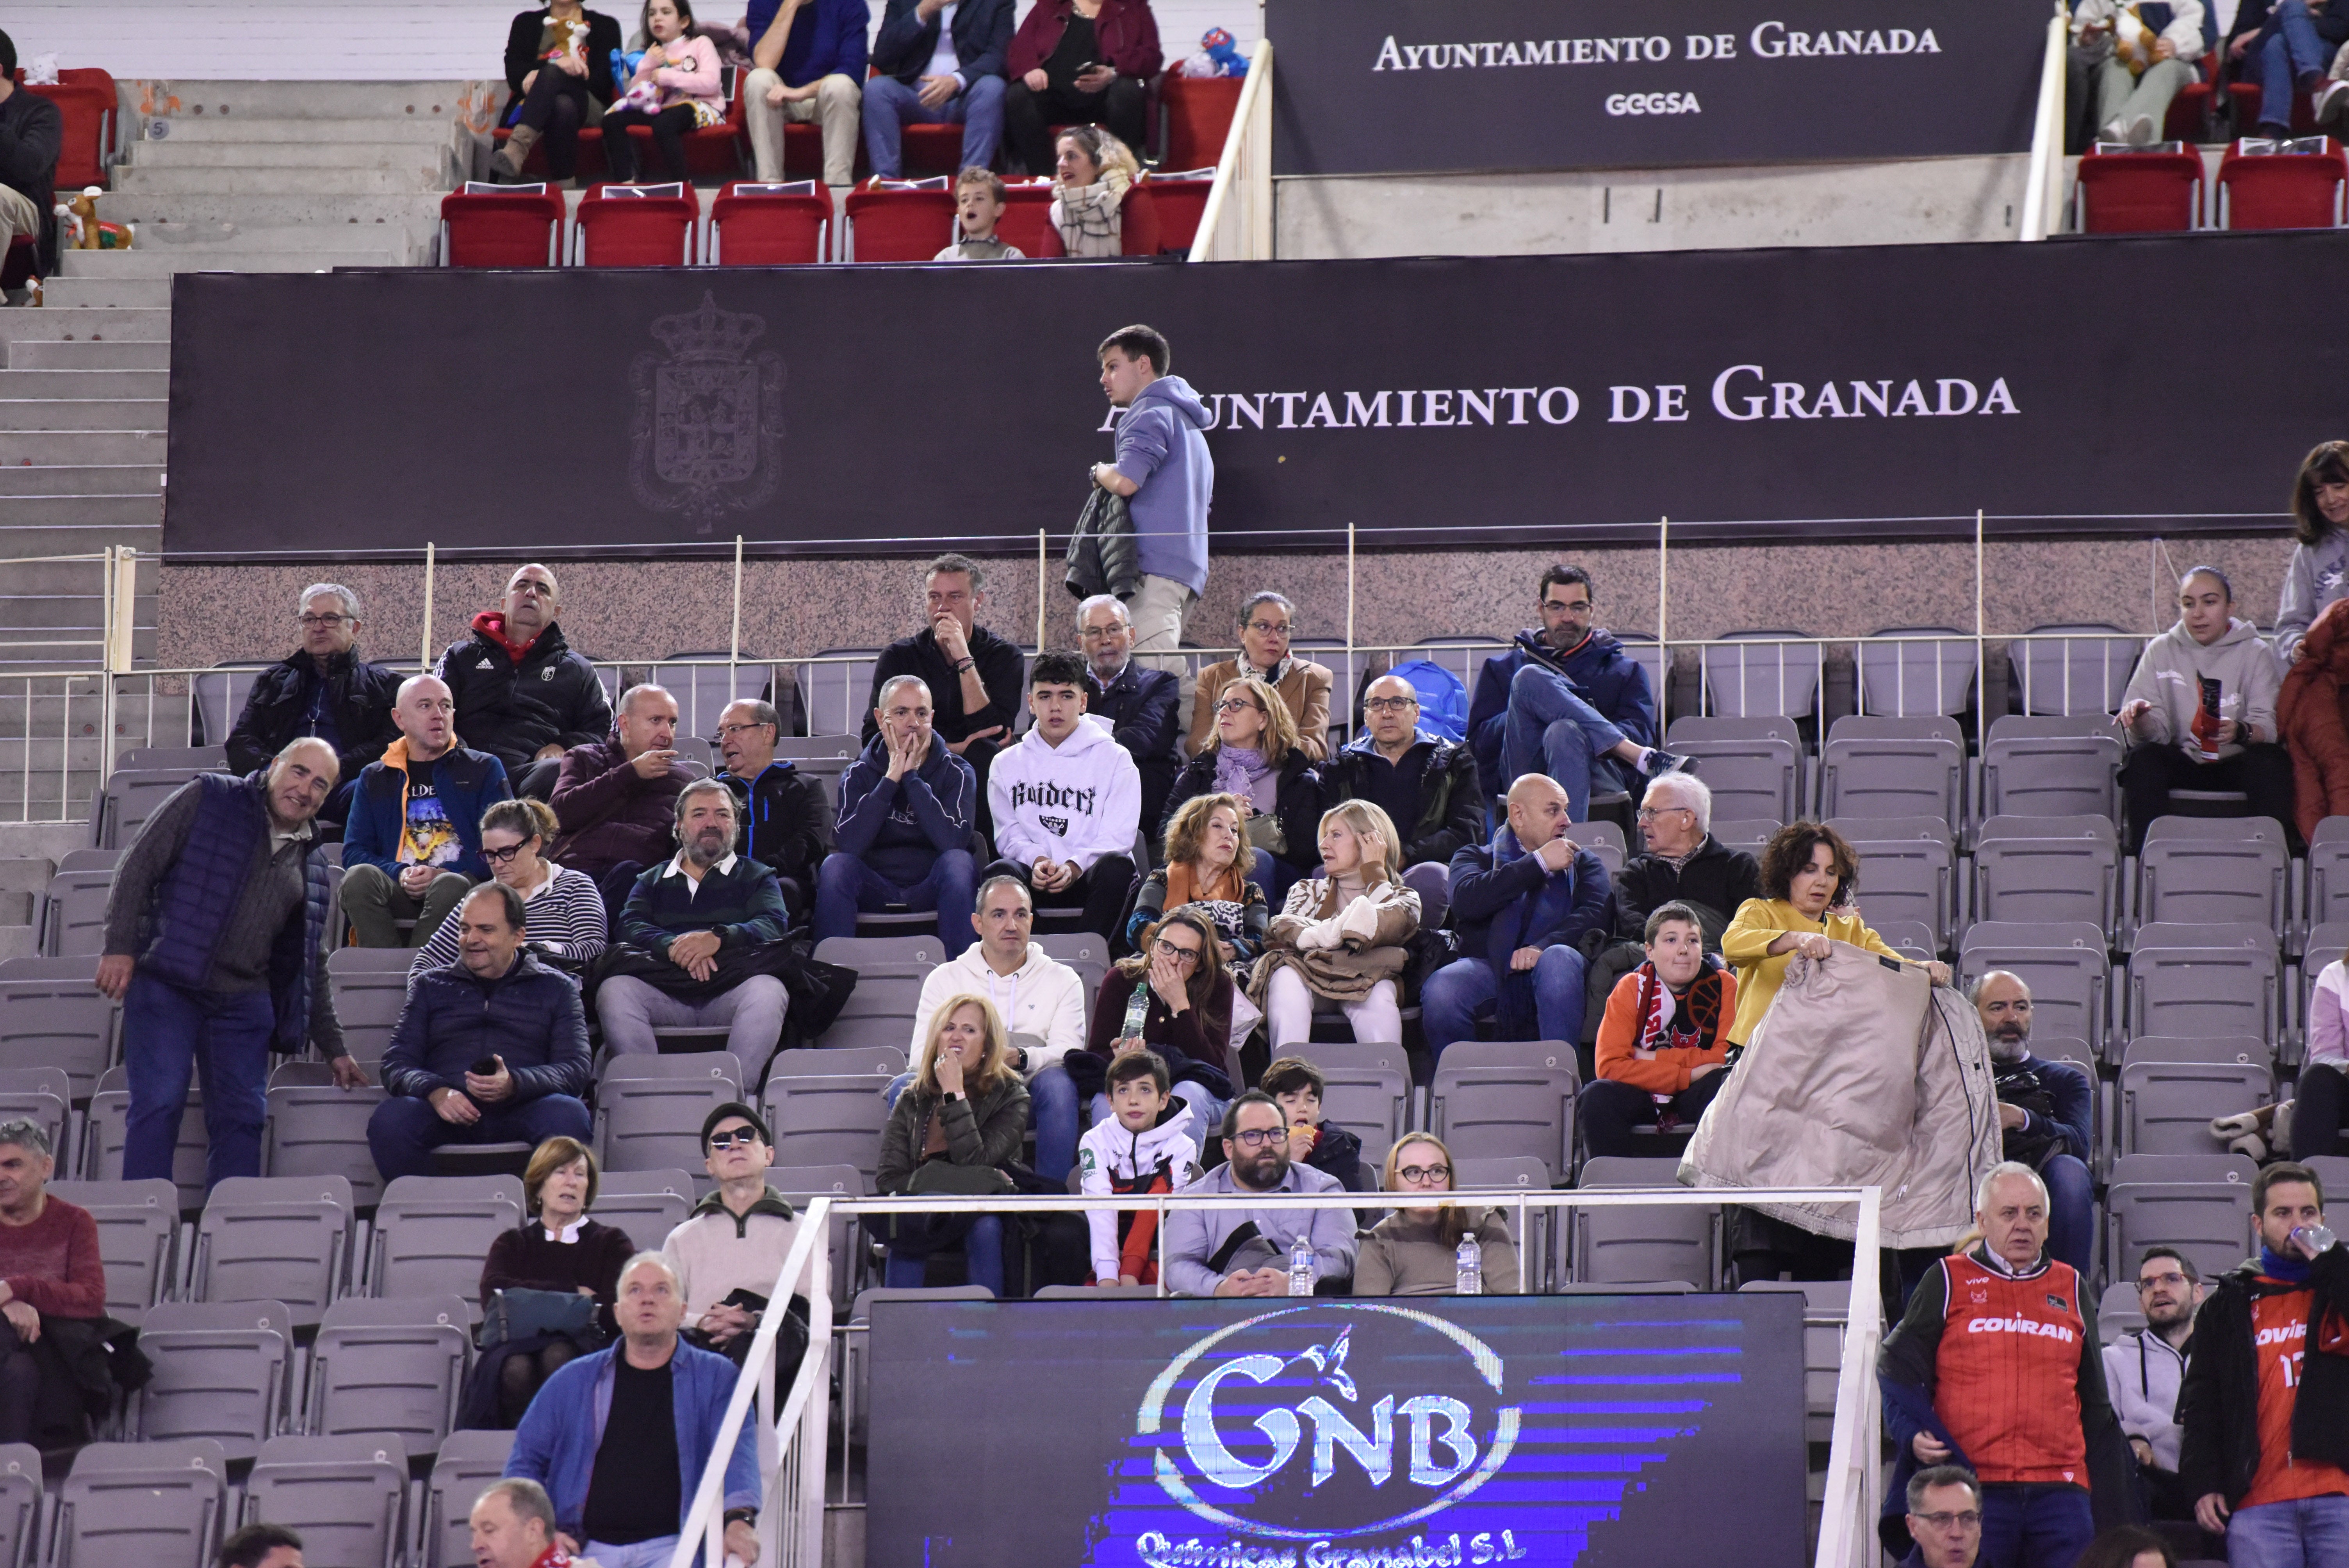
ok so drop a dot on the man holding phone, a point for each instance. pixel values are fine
(492, 1049)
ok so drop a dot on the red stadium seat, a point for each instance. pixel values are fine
(898, 224)
(1027, 220)
(2140, 193)
(504, 229)
(718, 149)
(771, 229)
(2281, 190)
(1138, 228)
(1198, 113)
(2189, 112)
(2246, 97)
(616, 229)
(89, 111)
(930, 149)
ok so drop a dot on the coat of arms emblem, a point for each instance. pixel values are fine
(709, 430)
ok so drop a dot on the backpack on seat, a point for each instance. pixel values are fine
(1443, 700)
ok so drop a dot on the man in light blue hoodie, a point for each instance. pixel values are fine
(1164, 470)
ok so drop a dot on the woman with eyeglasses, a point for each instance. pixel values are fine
(1416, 1251)
(557, 1249)
(1176, 997)
(1203, 871)
(562, 911)
(1255, 758)
(966, 1113)
(1340, 936)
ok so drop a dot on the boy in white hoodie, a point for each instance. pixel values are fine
(2201, 712)
(1066, 801)
(1145, 1145)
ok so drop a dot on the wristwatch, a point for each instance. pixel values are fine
(741, 1516)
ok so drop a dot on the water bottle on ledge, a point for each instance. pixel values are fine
(1468, 1268)
(1300, 1266)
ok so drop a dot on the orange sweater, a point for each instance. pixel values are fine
(1658, 1072)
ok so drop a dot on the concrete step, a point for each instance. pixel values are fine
(243, 130)
(83, 384)
(295, 152)
(128, 510)
(69, 325)
(32, 543)
(207, 217)
(136, 185)
(45, 447)
(187, 103)
(233, 253)
(106, 293)
(86, 480)
(112, 353)
(84, 414)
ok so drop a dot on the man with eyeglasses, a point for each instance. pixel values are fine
(1266, 623)
(1425, 784)
(1567, 701)
(727, 1252)
(321, 689)
(1245, 1252)
(413, 847)
(1944, 1518)
(972, 675)
(1142, 706)
(786, 819)
(1684, 864)
(2144, 1369)
(522, 696)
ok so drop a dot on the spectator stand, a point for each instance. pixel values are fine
(789, 223)
(2293, 184)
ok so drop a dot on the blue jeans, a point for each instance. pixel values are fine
(2292, 54)
(2310, 1534)
(889, 103)
(653, 1554)
(2036, 1526)
(1051, 1114)
(1550, 729)
(1466, 989)
(844, 885)
(982, 1252)
(169, 1036)
(403, 1133)
(2071, 1211)
(1206, 1113)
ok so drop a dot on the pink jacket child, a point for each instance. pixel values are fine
(683, 72)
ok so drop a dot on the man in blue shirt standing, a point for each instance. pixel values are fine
(808, 64)
(1164, 470)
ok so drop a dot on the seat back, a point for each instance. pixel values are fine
(395, 1364)
(770, 228)
(2282, 191)
(2140, 193)
(1198, 113)
(630, 231)
(1182, 198)
(829, 1120)
(87, 113)
(1906, 670)
(1750, 673)
(346, 1497)
(431, 1234)
(1912, 878)
(220, 1373)
(468, 1460)
(1753, 779)
(73, 914)
(106, 1129)
(137, 1240)
(2073, 670)
(2068, 983)
(20, 1503)
(2117, 1311)
(318, 1130)
(370, 987)
(880, 1011)
(2209, 1222)
(42, 1096)
(275, 1238)
(508, 228)
(2197, 870)
(1502, 1098)
(2167, 1107)
(134, 1505)
(1892, 776)
(1649, 1244)
(650, 1108)
(647, 1204)
(885, 225)
(52, 1015)
(129, 797)
(2032, 774)
(2205, 992)
(840, 694)
(2328, 876)
(2068, 878)
(1026, 224)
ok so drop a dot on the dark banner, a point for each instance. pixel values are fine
(1746, 394)
(1551, 1431)
(1378, 87)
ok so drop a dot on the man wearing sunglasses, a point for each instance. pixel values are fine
(729, 1250)
(1245, 1252)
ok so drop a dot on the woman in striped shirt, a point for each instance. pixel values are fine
(563, 911)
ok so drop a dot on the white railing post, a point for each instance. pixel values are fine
(424, 658)
(1240, 199)
(2042, 187)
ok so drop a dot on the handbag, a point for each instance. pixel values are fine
(522, 1314)
(944, 1178)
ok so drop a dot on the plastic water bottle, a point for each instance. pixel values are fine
(1137, 1011)
(1468, 1268)
(1300, 1267)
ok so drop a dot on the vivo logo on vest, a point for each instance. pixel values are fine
(2019, 1325)
(1282, 1416)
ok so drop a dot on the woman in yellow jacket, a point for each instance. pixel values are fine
(1808, 874)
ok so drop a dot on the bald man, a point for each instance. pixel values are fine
(522, 696)
(218, 955)
(1424, 783)
(412, 848)
(1522, 905)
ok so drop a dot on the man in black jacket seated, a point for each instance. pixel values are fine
(906, 87)
(786, 822)
(976, 679)
(496, 1007)
(1684, 863)
(321, 689)
(31, 132)
(1424, 783)
(1142, 707)
(522, 696)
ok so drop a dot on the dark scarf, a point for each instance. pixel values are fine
(1544, 909)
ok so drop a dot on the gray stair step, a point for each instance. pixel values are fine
(38, 446)
(66, 581)
(296, 153)
(238, 102)
(106, 293)
(84, 479)
(112, 353)
(245, 130)
(136, 185)
(232, 253)
(27, 543)
(115, 513)
(78, 383)
(46, 325)
(211, 215)
(84, 414)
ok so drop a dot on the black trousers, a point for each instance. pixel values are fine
(669, 127)
(1028, 118)
(1101, 893)
(2151, 772)
(556, 106)
(2316, 1111)
(1610, 1111)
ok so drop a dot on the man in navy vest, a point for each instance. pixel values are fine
(215, 945)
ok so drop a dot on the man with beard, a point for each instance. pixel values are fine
(1245, 1252)
(2143, 1370)
(2044, 1112)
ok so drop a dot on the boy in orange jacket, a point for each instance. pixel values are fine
(1664, 1045)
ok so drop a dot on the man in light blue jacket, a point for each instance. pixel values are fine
(1164, 470)
(1246, 1251)
(619, 1439)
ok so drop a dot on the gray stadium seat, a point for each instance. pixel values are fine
(2333, 1169)
(106, 1129)
(2073, 671)
(276, 1239)
(703, 689)
(1752, 780)
(44, 1097)
(650, 1108)
(1908, 871)
(216, 697)
(855, 951)
(1610, 1246)
(801, 1182)
(2209, 1222)
(1690, 727)
(2165, 1108)
(313, 1128)
(1746, 834)
(1827, 1307)
(371, 987)
(2063, 963)
(1075, 947)
(1869, 768)
(2205, 991)
(2049, 1048)
(835, 1121)
(128, 799)
(194, 758)
(801, 748)
(2203, 869)
(1915, 938)
(647, 1204)
(2117, 1310)
(1747, 673)
(2047, 768)
(395, 1364)
(220, 1373)
(1603, 839)
(468, 1463)
(1912, 671)
(839, 694)
(431, 1234)
(135, 1505)
(52, 1014)
(73, 914)
(137, 1240)
(346, 1497)
(880, 1010)
(2328, 875)
(829, 1061)
(2047, 868)
(1368, 1090)
(2225, 1167)
(89, 860)
(1638, 1287)
(2227, 1049)
(20, 1504)
(1495, 1098)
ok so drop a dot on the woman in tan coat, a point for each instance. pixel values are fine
(1340, 937)
(1266, 623)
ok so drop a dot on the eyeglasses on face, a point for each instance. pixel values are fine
(1563, 606)
(1237, 704)
(500, 857)
(2174, 1278)
(320, 620)
(1390, 704)
(1649, 813)
(726, 730)
(1422, 1175)
(1175, 951)
(728, 1136)
(1969, 1519)
(1269, 628)
(1258, 1136)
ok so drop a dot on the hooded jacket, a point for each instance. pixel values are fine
(510, 706)
(1450, 809)
(2313, 713)
(609, 815)
(1109, 1153)
(467, 783)
(2143, 1372)
(900, 829)
(2316, 579)
(1162, 446)
(359, 696)
(1043, 997)
(1602, 673)
(2169, 674)
(1077, 801)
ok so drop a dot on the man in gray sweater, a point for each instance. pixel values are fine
(215, 946)
(1245, 1252)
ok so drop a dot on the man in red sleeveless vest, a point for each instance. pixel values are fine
(1995, 1367)
(2265, 1400)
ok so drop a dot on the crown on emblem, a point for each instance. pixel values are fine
(709, 333)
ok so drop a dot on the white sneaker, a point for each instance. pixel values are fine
(2332, 98)
(2141, 130)
(2116, 131)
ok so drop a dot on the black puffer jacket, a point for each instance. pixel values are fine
(2219, 1402)
(1450, 810)
(989, 1130)
(1716, 880)
(510, 710)
(1296, 801)
(360, 695)
(530, 1015)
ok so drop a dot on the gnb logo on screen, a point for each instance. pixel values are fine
(1330, 1420)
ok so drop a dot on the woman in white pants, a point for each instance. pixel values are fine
(1341, 935)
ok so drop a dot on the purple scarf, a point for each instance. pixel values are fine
(1242, 770)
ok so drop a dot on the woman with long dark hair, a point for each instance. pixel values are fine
(557, 58)
(1185, 997)
(676, 88)
(2319, 572)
